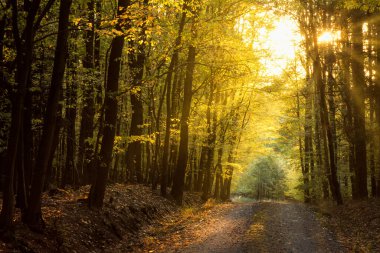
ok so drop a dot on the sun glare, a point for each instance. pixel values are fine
(281, 44)
(328, 37)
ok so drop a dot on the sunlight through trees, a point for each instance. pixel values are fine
(279, 98)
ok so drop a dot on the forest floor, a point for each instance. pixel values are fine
(356, 223)
(135, 219)
(72, 227)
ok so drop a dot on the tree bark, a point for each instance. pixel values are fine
(168, 83)
(325, 123)
(218, 176)
(358, 90)
(211, 132)
(34, 215)
(86, 132)
(377, 102)
(98, 186)
(347, 103)
(70, 174)
(24, 56)
(179, 173)
(136, 61)
(308, 161)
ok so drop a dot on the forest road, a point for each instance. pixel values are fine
(261, 227)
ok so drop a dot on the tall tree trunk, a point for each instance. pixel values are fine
(372, 148)
(70, 174)
(179, 173)
(377, 101)
(201, 169)
(136, 61)
(25, 160)
(226, 191)
(218, 176)
(34, 215)
(371, 91)
(327, 131)
(347, 103)
(326, 126)
(3, 85)
(51, 174)
(24, 55)
(320, 164)
(98, 186)
(308, 141)
(211, 137)
(168, 83)
(156, 156)
(330, 59)
(90, 62)
(358, 90)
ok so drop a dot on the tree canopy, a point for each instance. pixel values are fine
(266, 98)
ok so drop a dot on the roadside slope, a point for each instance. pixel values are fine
(72, 227)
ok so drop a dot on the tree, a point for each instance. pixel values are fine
(168, 84)
(23, 61)
(265, 179)
(98, 186)
(136, 61)
(359, 87)
(91, 62)
(179, 173)
(34, 216)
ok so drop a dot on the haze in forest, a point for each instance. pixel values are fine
(198, 105)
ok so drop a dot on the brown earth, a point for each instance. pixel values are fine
(244, 227)
(135, 219)
(356, 223)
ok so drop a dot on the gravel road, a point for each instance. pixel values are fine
(247, 227)
(264, 227)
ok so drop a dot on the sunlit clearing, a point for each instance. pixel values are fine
(328, 37)
(281, 44)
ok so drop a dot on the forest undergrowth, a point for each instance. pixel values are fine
(72, 227)
(356, 223)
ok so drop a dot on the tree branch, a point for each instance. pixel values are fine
(15, 28)
(45, 10)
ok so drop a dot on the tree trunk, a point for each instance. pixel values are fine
(218, 176)
(98, 186)
(25, 160)
(358, 89)
(70, 174)
(179, 174)
(34, 215)
(320, 164)
(168, 83)
(347, 103)
(24, 55)
(211, 132)
(377, 101)
(372, 150)
(201, 169)
(326, 126)
(90, 62)
(308, 141)
(226, 191)
(136, 61)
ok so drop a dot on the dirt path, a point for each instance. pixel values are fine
(290, 227)
(245, 227)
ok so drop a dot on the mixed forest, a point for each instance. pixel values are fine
(176, 95)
